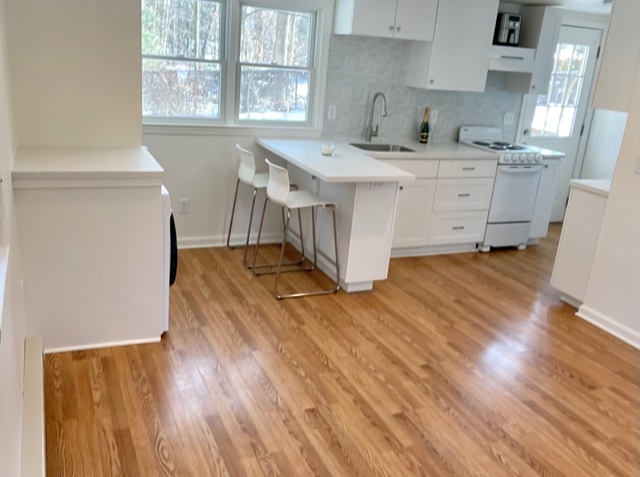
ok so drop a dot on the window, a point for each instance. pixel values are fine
(556, 111)
(265, 68)
(275, 64)
(181, 58)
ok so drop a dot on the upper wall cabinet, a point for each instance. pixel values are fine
(540, 30)
(458, 57)
(620, 59)
(403, 19)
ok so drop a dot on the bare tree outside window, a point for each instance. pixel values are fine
(275, 64)
(181, 71)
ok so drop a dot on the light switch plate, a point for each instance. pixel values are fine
(331, 112)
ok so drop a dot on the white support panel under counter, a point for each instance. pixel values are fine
(365, 191)
(89, 223)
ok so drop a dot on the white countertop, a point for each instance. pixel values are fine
(595, 186)
(348, 164)
(37, 164)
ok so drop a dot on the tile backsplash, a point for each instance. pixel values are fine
(361, 66)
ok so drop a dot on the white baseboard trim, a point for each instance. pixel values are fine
(237, 240)
(33, 430)
(111, 344)
(432, 250)
(609, 325)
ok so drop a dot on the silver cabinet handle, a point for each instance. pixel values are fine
(459, 227)
(401, 187)
(464, 195)
(468, 168)
(391, 28)
(398, 29)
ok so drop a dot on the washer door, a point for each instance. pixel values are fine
(174, 251)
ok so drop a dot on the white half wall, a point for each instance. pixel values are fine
(612, 300)
(12, 316)
(75, 69)
(603, 146)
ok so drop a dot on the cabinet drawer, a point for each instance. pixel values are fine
(462, 194)
(419, 168)
(467, 168)
(457, 227)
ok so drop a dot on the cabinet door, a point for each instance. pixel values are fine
(413, 212)
(544, 199)
(416, 19)
(374, 18)
(461, 46)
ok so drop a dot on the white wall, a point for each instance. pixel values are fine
(76, 71)
(613, 294)
(13, 318)
(603, 146)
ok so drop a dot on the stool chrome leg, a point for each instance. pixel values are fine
(233, 213)
(246, 245)
(255, 266)
(335, 243)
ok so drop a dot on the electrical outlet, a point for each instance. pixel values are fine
(434, 116)
(184, 206)
(509, 118)
(331, 112)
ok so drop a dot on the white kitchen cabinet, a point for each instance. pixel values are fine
(620, 58)
(462, 194)
(413, 213)
(457, 228)
(579, 238)
(402, 19)
(458, 57)
(540, 30)
(544, 198)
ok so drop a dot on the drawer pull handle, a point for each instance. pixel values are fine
(459, 227)
(468, 168)
(464, 195)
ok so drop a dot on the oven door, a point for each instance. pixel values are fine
(514, 193)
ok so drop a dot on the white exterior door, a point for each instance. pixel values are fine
(554, 120)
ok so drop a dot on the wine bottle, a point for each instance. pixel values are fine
(424, 128)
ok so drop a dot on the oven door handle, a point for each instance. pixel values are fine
(519, 170)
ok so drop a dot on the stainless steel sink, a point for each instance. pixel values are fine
(382, 147)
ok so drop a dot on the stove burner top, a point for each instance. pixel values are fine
(500, 146)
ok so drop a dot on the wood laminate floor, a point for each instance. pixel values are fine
(457, 365)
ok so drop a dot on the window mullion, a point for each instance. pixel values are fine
(232, 37)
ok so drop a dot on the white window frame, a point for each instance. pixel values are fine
(229, 107)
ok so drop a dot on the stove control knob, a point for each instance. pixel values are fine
(529, 157)
(522, 158)
(539, 158)
(507, 158)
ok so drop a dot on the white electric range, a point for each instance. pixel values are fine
(514, 190)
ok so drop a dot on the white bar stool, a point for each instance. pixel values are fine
(258, 180)
(279, 191)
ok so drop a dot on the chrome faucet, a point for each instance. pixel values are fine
(370, 132)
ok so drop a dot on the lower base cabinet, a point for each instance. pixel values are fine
(413, 213)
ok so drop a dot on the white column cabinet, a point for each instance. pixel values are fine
(402, 19)
(620, 59)
(413, 213)
(544, 198)
(458, 58)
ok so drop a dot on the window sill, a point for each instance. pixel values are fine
(230, 130)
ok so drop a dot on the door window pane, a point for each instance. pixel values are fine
(555, 112)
